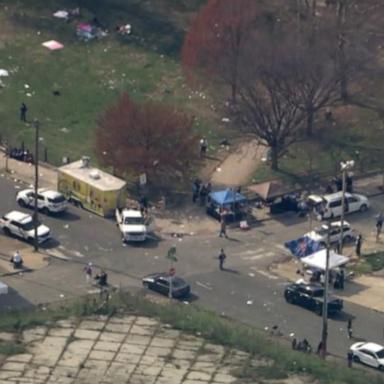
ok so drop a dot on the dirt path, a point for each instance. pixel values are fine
(238, 167)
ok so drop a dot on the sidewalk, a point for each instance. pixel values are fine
(32, 260)
(25, 172)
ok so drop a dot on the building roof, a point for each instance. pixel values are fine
(94, 177)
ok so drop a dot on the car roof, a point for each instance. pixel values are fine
(374, 347)
(132, 213)
(308, 287)
(49, 193)
(18, 216)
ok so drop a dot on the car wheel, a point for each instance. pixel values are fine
(21, 202)
(319, 310)
(30, 240)
(363, 208)
(7, 231)
(347, 239)
(322, 244)
(145, 284)
(381, 367)
(45, 210)
(356, 359)
(289, 299)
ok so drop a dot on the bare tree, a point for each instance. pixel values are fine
(266, 111)
(215, 41)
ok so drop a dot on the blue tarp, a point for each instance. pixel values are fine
(227, 196)
(304, 246)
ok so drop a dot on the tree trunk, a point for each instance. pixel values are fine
(342, 60)
(233, 92)
(274, 159)
(310, 118)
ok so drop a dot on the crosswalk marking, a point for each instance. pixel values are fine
(264, 273)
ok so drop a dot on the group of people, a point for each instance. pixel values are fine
(100, 278)
(200, 191)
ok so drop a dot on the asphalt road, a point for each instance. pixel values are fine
(245, 291)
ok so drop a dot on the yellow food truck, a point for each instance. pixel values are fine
(91, 188)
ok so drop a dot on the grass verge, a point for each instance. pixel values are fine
(205, 324)
(8, 348)
(369, 263)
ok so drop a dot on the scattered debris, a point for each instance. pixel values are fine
(4, 73)
(249, 302)
(52, 45)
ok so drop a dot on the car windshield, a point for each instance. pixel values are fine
(380, 354)
(177, 282)
(58, 199)
(321, 230)
(30, 225)
(133, 220)
(318, 292)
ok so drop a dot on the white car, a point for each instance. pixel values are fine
(330, 206)
(48, 201)
(21, 224)
(319, 234)
(368, 353)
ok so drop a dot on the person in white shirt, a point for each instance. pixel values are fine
(17, 260)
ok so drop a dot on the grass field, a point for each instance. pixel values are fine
(90, 76)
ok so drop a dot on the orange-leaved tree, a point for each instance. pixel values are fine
(215, 41)
(147, 137)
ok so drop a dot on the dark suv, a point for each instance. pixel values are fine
(310, 296)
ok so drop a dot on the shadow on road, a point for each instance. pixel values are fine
(66, 216)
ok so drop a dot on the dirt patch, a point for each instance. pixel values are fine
(239, 166)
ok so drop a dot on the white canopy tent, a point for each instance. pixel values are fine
(318, 259)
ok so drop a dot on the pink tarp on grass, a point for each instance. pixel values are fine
(53, 45)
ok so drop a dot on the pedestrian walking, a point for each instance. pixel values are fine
(222, 257)
(379, 225)
(23, 112)
(350, 358)
(294, 343)
(88, 270)
(223, 227)
(359, 240)
(203, 147)
(195, 190)
(341, 279)
(349, 328)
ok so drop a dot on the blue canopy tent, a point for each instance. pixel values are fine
(304, 246)
(227, 196)
(230, 202)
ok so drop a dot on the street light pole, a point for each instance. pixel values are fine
(36, 125)
(345, 166)
(324, 333)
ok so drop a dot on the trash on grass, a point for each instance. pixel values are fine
(52, 45)
(4, 72)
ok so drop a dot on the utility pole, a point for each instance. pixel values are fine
(171, 256)
(324, 333)
(345, 166)
(36, 125)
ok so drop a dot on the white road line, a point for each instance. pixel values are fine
(203, 285)
(264, 273)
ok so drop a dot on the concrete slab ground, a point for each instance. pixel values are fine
(128, 349)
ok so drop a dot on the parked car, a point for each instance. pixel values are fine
(310, 296)
(329, 206)
(48, 201)
(22, 225)
(368, 353)
(160, 282)
(319, 234)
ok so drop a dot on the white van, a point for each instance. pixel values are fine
(329, 206)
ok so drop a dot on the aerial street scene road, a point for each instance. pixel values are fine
(192, 192)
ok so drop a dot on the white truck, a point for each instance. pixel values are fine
(133, 226)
